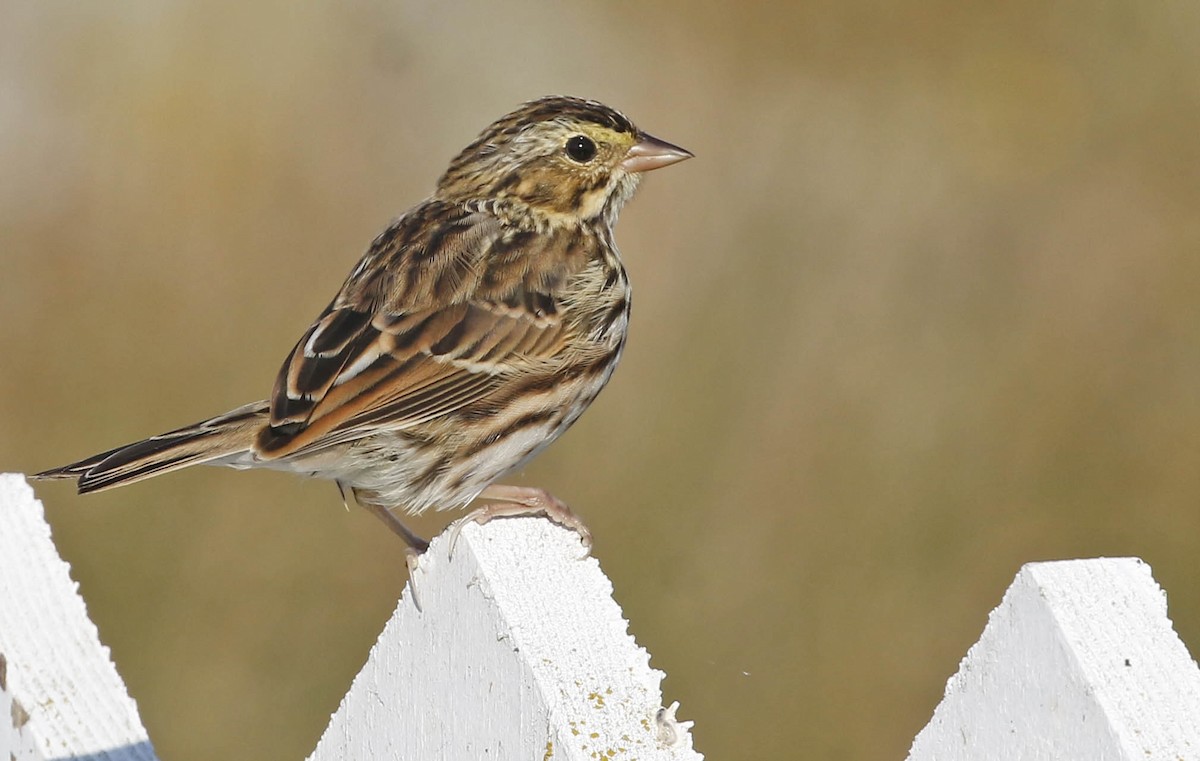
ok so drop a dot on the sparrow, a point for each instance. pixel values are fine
(472, 333)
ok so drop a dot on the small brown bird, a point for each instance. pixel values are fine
(474, 331)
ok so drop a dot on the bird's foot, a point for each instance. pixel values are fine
(522, 500)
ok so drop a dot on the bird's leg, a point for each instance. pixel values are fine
(523, 500)
(370, 500)
(415, 549)
(416, 544)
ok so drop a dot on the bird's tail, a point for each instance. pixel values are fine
(224, 437)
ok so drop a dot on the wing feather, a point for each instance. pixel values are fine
(376, 358)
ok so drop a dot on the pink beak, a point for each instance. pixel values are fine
(651, 153)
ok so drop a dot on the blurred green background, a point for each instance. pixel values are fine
(925, 307)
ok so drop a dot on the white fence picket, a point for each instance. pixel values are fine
(1078, 662)
(63, 693)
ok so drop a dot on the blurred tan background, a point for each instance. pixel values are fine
(925, 307)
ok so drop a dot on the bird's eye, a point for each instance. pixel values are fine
(581, 148)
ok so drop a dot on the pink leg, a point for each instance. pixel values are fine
(416, 545)
(523, 500)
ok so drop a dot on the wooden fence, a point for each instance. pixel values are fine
(518, 651)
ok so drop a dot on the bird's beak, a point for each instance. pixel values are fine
(651, 153)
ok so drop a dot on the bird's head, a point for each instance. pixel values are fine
(562, 157)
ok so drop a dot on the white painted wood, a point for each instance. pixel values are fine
(517, 652)
(1079, 661)
(60, 696)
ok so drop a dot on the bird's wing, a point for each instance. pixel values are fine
(443, 310)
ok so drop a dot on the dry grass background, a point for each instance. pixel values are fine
(925, 307)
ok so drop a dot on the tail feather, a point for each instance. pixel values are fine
(221, 437)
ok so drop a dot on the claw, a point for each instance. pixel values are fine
(512, 501)
(411, 556)
(456, 529)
